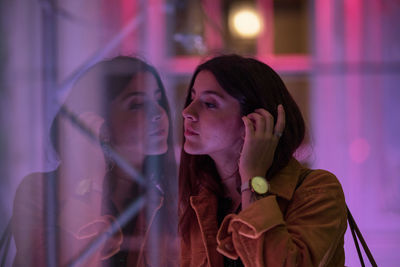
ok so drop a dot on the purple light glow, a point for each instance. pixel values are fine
(359, 150)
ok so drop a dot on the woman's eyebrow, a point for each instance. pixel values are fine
(133, 94)
(207, 92)
(212, 92)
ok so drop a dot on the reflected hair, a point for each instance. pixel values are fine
(94, 92)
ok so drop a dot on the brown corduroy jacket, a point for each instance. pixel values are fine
(290, 227)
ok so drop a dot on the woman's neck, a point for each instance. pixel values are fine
(227, 165)
(122, 186)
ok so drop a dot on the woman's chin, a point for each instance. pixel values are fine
(157, 150)
(192, 149)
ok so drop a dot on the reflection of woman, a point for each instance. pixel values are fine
(243, 198)
(123, 102)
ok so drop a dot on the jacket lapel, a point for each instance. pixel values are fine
(205, 206)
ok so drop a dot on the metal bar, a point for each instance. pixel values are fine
(49, 57)
(6, 246)
(5, 233)
(5, 243)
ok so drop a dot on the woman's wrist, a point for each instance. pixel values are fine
(246, 177)
(245, 186)
(247, 198)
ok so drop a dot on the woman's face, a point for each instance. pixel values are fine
(212, 121)
(138, 124)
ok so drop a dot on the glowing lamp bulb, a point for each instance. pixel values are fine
(246, 23)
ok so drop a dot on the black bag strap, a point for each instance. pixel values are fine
(355, 231)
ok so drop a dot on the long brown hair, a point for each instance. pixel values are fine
(255, 85)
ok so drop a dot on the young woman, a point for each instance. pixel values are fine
(243, 199)
(122, 102)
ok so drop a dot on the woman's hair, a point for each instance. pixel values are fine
(255, 85)
(96, 89)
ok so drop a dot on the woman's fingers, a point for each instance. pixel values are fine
(248, 126)
(280, 122)
(259, 123)
(269, 120)
(262, 122)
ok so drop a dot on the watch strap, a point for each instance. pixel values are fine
(245, 186)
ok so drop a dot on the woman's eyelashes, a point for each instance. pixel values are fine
(136, 105)
(210, 105)
(209, 102)
(139, 102)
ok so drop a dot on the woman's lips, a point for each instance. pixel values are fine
(190, 132)
(160, 132)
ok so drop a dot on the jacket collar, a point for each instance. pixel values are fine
(205, 207)
(283, 184)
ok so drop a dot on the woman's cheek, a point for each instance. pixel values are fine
(130, 131)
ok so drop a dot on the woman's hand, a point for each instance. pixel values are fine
(260, 141)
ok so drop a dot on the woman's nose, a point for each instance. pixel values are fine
(156, 117)
(188, 113)
(156, 112)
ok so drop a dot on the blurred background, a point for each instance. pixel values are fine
(340, 60)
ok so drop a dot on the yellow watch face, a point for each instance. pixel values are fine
(259, 185)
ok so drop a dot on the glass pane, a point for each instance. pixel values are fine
(88, 135)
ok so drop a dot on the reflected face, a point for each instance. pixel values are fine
(212, 120)
(138, 124)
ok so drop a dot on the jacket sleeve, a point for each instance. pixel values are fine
(30, 229)
(309, 233)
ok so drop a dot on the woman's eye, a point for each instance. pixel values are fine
(158, 97)
(136, 105)
(210, 105)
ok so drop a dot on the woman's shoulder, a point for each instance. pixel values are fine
(320, 181)
(34, 182)
(320, 176)
(32, 187)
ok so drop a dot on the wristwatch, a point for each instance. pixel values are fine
(257, 184)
